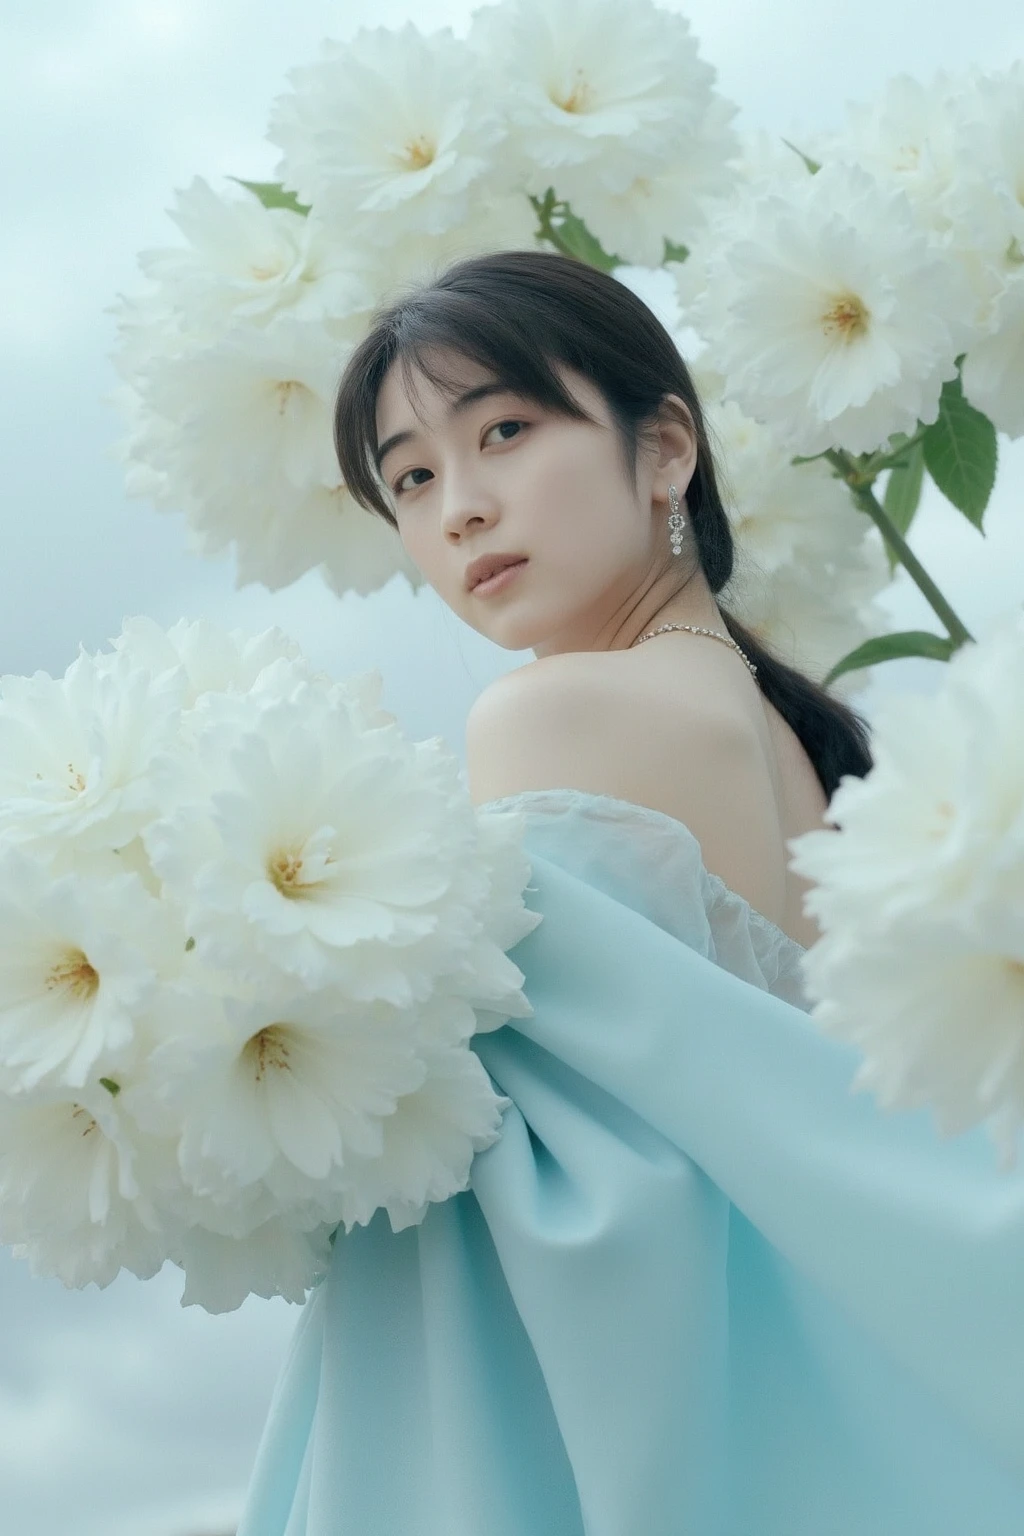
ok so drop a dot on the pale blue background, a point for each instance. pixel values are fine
(120, 1414)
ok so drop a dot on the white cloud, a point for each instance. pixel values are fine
(140, 1405)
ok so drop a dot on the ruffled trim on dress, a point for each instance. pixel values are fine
(659, 861)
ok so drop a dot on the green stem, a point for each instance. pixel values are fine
(874, 466)
(866, 499)
(544, 208)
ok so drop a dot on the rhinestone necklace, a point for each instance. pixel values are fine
(697, 629)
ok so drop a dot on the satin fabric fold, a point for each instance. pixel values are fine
(697, 1288)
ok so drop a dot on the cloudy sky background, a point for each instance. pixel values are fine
(120, 1413)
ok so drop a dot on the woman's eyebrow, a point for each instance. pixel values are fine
(470, 397)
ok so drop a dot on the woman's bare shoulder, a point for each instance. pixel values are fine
(594, 721)
(679, 738)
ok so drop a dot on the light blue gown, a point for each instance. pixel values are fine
(697, 1288)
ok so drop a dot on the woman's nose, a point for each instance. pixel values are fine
(464, 501)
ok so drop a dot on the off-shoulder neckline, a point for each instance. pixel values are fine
(647, 814)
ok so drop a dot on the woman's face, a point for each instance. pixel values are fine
(496, 473)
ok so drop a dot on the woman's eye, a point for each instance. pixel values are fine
(498, 425)
(399, 487)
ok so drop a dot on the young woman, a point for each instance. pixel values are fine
(696, 1288)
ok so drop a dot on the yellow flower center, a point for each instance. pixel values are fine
(419, 153)
(75, 975)
(284, 390)
(284, 870)
(300, 871)
(579, 96)
(848, 318)
(77, 779)
(268, 1051)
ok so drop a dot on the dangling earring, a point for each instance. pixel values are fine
(676, 523)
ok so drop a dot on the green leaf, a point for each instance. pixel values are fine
(960, 453)
(112, 1088)
(902, 495)
(189, 944)
(674, 252)
(911, 642)
(573, 238)
(273, 195)
(814, 166)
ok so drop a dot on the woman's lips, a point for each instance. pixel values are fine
(500, 581)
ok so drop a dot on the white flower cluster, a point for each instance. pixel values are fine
(610, 104)
(409, 150)
(836, 303)
(833, 306)
(809, 566)
(247, 931)
(920, 896)
(229, 366)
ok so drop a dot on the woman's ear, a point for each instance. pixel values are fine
(677, 448)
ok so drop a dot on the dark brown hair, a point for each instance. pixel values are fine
(519, 314)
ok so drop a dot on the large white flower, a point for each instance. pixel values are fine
(80, 960)
(616, 90)
(908, 135)
(428, 1143)
(956, 147)
(304, 1111)
(390, 134)
(75, 752)
(205, 1030)
(243, 261)
(935, 1007)
(933, 818)
(252, 410)
(229, 364)
(835, 317)
(809, 566)
(241, 435)
(77, 1188)
(920, 895)
(325, 851)
(274, 1094)
(671, 204)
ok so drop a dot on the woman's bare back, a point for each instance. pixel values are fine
(759, 786)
